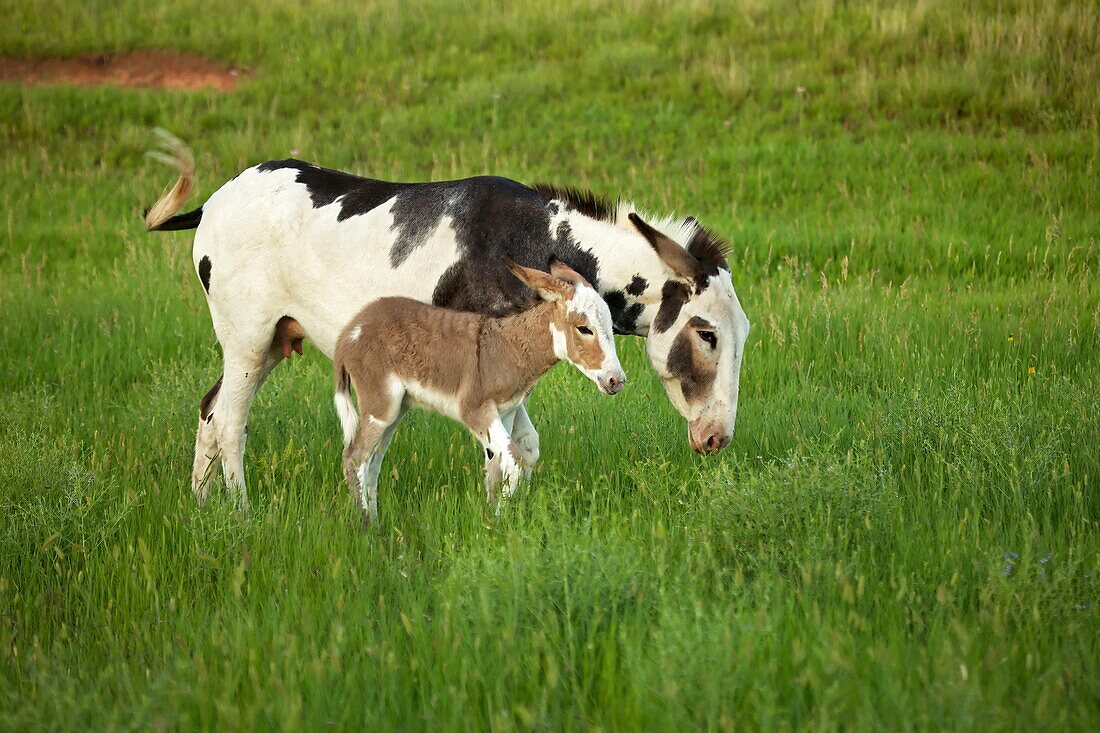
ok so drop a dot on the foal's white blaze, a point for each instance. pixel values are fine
(587, 301)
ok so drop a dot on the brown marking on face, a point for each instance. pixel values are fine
(584, 350)
(674, 295)
(687, 362)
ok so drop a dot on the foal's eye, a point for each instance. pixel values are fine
(710, 337)
(585, 330)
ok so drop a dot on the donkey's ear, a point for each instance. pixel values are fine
(546, 285)
(564, 272)
(675, 257)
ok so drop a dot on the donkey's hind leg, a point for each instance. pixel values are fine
(242, 378)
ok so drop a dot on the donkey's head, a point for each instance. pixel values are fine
(697, 338)
(580, 324)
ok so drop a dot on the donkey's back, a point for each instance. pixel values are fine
(317, 244)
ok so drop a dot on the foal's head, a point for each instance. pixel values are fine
(581, 322)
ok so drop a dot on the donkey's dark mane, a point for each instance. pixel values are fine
(708, 247)
(583, 201)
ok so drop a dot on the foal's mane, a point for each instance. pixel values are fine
(701, 242)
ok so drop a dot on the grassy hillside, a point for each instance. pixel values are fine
(903, 534)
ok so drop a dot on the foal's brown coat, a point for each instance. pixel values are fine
(398, 352)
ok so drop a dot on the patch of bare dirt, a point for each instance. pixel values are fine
(137, 69)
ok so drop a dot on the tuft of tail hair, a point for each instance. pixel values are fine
(161, 216)
(345, 405)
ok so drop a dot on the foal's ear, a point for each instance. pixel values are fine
(546, 285)
(564, 272)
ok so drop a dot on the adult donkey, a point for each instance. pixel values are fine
(288, 250)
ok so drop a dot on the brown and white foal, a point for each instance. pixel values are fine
(399, 353)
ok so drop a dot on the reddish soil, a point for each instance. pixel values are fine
(144, 69)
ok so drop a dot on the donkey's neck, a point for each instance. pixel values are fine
(524, 340)
(630, 275)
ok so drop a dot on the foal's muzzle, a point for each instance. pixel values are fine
(612, 382)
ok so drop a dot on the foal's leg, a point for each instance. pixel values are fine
(368, 437)
(380, 409)
(493, 470)
(488, 427)
(368, 473)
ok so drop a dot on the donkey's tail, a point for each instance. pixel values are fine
(161, 216)
(345, 406)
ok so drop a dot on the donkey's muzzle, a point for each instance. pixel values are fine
(708, 438)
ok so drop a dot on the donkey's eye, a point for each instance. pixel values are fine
(710, 337)
(585, 330)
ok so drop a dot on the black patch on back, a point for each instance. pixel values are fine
(582, 260)
(674, 295)
(416, 214)
(207, 403)
(637, 286)
(357, 195)
(576, 199)
(493, 216)
(694, 379)
(204, 273)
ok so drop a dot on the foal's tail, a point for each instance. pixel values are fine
(345, 405)
(161, 216)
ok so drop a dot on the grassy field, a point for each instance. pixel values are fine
(902, 536)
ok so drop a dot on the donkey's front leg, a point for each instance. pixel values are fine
(526, 438)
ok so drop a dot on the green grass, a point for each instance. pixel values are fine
(903, 534)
